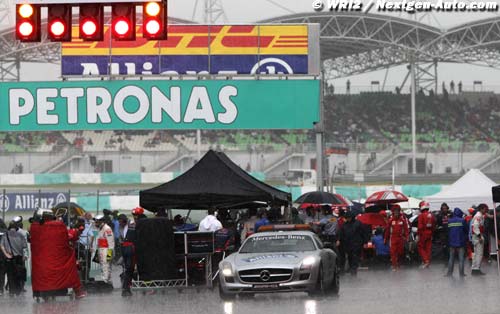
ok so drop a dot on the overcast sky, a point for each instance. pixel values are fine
(241, 11)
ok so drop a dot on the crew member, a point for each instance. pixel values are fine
(18, 220)
(85, 242)
(382, 251)
(329, 225)
(210, 222)
(351, 238)
(340, 252)
(127, 245)
(263, 221)
(442, 228)
(13, 246)
(468, 219)
(295, 219)
(249, 224)
(162, 212)
(3, 265)
(396, 233)
(457, 236)
(105, 245)
(478, 239)
(138, 213)
(426, 227)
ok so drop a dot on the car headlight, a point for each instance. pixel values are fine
(227, 270)
(308, 262)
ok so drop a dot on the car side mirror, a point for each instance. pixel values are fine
(328, 245)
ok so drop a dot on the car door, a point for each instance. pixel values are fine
(327, 259)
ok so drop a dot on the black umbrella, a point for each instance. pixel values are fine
(62, 208)
(318, 197)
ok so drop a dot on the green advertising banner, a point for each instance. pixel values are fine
(159, 104)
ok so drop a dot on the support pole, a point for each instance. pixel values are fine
(413, 117)
(97, 205)
(69, 210)
(496, 237)
(198, 143)
(393, 174)
(319, 160)
(319, 127)
(3, 205)
(435, 77)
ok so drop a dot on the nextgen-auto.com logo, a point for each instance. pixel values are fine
(408, 6)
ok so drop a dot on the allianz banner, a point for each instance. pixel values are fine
(199, 49)
(31, 201)
(159, 104)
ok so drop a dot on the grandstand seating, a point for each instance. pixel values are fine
(382, 117)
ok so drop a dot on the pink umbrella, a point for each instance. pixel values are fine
(386, 197)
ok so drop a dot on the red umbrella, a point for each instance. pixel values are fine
(386, 197)
(372, 219)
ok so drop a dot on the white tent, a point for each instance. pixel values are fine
(473, 188)
(412, 203)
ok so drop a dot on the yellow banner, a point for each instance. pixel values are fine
(200, 40)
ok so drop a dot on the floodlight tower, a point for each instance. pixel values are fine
(422, 76)
(213, 12)
(9, 63)
(425, 73)
(6, 12)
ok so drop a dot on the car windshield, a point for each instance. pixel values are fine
(278, 243)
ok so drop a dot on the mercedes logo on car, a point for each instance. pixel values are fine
(265, 275)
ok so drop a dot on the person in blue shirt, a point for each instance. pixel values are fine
(115, 226)
(382, 250)
(263, 221)
(457, 239)
(85, 244)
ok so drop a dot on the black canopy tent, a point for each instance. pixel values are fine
(215, 181)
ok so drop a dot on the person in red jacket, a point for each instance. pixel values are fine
(396, 233)
(468, 218)
(426, 227)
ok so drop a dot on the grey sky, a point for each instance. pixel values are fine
(240, 11)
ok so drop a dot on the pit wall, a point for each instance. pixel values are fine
(128, 202)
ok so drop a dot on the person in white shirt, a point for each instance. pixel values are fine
(478, 239)
(249, 225)
(105, 246)
(210, 223)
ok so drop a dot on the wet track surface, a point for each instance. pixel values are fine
(408, 291)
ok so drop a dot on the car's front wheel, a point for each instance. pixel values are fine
(335, 287)
(321, 287)
(225, 296)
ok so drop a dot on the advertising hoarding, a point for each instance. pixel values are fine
(31, 201)
(159, 104)
(199, 49)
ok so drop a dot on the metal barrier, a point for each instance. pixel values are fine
(158, 284)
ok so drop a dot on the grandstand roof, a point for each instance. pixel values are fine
(354, 43)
